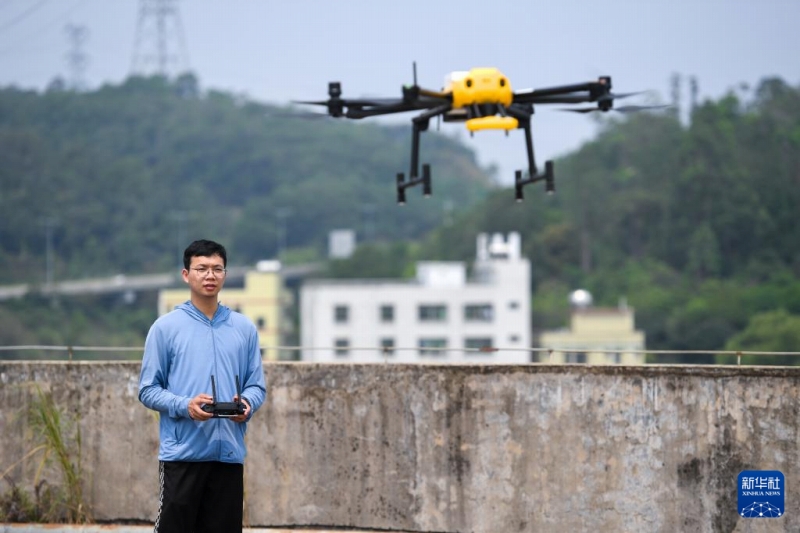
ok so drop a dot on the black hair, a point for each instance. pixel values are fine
(204, 248)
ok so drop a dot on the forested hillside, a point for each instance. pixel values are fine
(691, 223)
(120, 174)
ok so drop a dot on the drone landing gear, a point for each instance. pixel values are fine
(548, 177)
(419, 125)
(524, 117)
(402, 184)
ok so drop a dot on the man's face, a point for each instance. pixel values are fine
(206, 275)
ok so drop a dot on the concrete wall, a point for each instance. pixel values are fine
(452, 448)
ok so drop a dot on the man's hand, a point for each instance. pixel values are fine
(242, 417)
(196, 407)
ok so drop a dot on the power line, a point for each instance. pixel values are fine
(22, 16)
(26, 39)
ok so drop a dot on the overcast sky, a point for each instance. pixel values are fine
(276, 51)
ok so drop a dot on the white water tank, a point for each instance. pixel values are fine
(580, 299)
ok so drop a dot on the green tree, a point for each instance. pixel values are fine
(770, 331)
(703, 254)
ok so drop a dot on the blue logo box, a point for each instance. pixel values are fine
(761, 494)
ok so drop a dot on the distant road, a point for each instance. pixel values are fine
(124, 283)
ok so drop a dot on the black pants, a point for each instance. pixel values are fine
(200, 497)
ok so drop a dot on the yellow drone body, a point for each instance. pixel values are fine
(479, 86)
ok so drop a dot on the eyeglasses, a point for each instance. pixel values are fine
(216, 271)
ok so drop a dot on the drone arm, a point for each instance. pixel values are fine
(570, 98)
(438, 95)
(562, 89)
(526, 125)
(370, 108)
(417, 129)
(359, 112)
(523, 115)
(420, 124)
(567, 94)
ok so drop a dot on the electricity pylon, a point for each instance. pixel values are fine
(159, 47)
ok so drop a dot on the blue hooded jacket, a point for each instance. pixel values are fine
(182, 351)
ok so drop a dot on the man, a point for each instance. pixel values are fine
(201, 459)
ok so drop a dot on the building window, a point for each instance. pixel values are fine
(261, 322)
(387, 313)
(432, 347)
(479, 313)
(575, 357)
(513, 305)
(432, 313)
(341, 314)
(614, 358)
(342, 346)
(387, 346)
(513, 339)
(478, 343)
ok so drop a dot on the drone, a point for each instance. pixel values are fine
(483, 99)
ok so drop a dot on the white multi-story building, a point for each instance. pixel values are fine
(442, 316)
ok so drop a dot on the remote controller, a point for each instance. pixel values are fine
(224, 409)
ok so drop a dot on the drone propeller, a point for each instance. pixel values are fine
(635, 108)
(612, 96)
(580, 110)
(311, 102)
(357, 102)
(303, 115)
(291, 113)
(622, 109)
